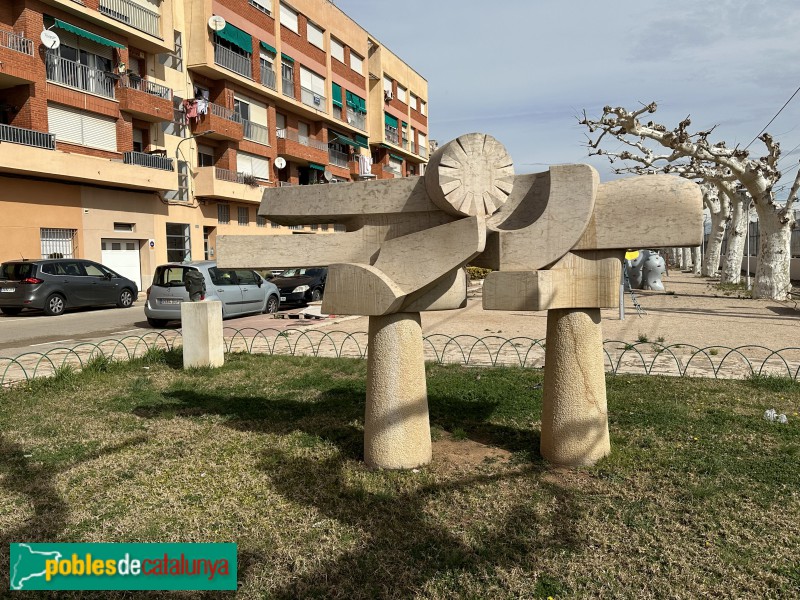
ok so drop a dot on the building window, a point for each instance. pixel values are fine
(356, 63)
(177, 55)
(223, 214)
(423, 107)
(337, 50)
(413, 100)
(252, 165)
(324, 227)
(387, 85)
(312, 89)
(179, 243)
(315, 35)
(262, 5)
(288, 18)
(244, 216)
(275, 226)
(57, 243)
(205, 156)
(287, 74)
(124, 226)
(261, 221)
(82, 128)
(401, 93)
(314, 227)
(183, 181)
(295, 227)
(339, 227)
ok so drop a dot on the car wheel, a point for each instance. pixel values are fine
(54, 305)
(316, 295)
(11, 311)
(272, 305)
(158, 323)
(125, 299)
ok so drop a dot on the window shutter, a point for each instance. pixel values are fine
(99, 132)
(65, 123)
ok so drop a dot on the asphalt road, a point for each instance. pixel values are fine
(33, 331)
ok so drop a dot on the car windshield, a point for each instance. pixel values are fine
(170, 275)
(297, 272)
(17, 271)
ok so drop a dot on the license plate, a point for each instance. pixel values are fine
(8, 290)
(169, 301)
(283, 298)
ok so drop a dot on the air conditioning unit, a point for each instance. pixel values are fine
(349, 120)
(387, 95)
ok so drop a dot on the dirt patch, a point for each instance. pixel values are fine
(466, 452)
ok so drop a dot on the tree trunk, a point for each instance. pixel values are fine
(696, 260)
(774, 232)
(732, 265)
(714, 248)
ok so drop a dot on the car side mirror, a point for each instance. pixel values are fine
(108, 276)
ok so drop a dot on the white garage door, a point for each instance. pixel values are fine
(122, 256)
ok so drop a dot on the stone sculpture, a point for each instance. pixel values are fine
(644, 271)
(555, 240)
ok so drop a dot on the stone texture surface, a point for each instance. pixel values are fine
(201, 326)
(397, 431)
(574, 411)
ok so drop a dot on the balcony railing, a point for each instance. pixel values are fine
(337, 158)
(135, 82)
(229, 59)
(391, 135)
(151, 161)
(234, 177)
(287, 134)
(78, 76)
(268, 78)
(312, 99)
(255, 132)
(392, 170)
(356, 119)
(132, 14)
(27, 137)
(224, 112)
(287, 86)
(17, 42)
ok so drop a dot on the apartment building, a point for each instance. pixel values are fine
(133, 132)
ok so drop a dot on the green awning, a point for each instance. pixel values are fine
(361, 140)
(237, 37)
(336, 94)
(338, 137)
(390, 120)
(405, 124)
(394, 156)
(85, 34)
(268, 48)
(356, 102)
(287, 58)
(316, 166)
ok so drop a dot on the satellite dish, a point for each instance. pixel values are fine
(50, 39)
(327, 175)
(216, 23)
(280, 162)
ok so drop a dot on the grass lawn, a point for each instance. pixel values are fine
(700, 497)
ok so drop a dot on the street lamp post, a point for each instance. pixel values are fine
(191, 137)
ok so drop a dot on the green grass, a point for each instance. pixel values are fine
(699, 497)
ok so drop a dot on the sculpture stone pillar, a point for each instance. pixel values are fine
(574, 411)
(397, 431)
(201, 327)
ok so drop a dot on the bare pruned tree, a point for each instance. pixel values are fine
(730, 169)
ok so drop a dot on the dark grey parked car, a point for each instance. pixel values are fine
(53, 285)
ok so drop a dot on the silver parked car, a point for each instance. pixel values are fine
(54, 285)
(241, 291)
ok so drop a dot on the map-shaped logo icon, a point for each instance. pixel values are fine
(27, 564)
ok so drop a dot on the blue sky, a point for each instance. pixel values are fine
(522, 70)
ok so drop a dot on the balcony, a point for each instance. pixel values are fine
(213, 182)
(224, 57)
(255, 132)
(313, 99)
(224, 122)
(16, 42)
(145, 99)
(151, 161)
(302, 147)
(287, 86)
(356, 119)
(43, 162)
(337, 158)
(27, 137)
(268, 78)
(391, 135)
(80, 77)
(132, 14)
